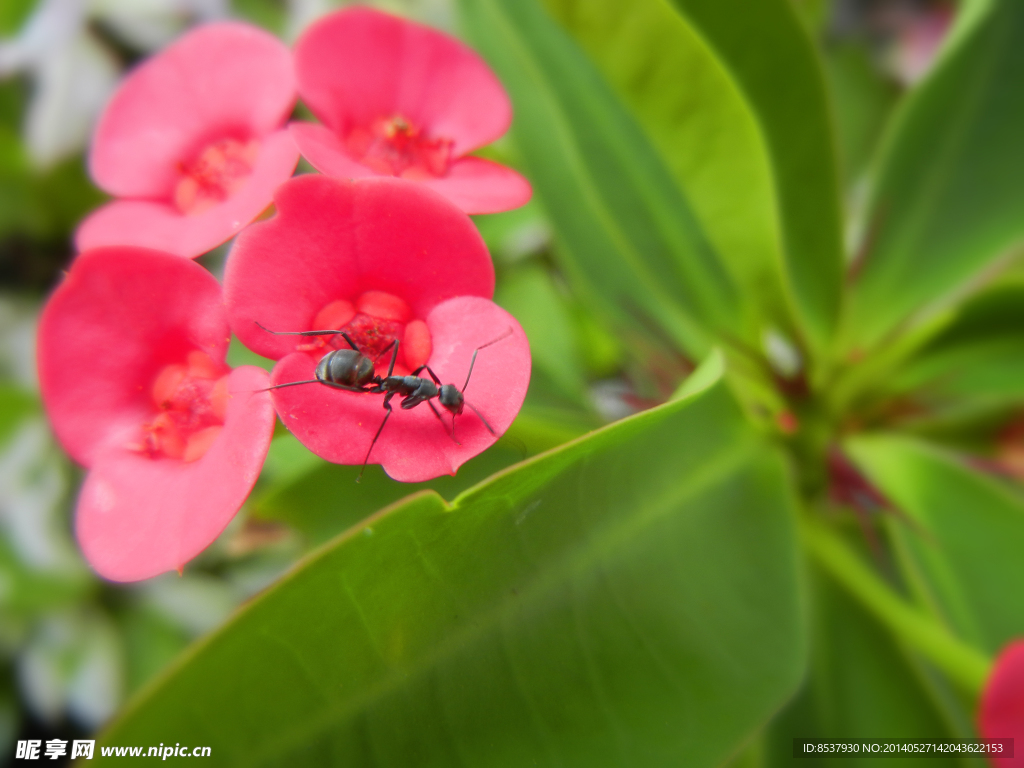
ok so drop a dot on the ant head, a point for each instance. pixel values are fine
(451, 398)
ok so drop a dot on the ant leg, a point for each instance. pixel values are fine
(344, 335)
(429, 371)
(394, 356)
(305, 333)
(443, 425)
(330, 384)
(348, 339)
(289, 384)
(387, 406)
(393, 343)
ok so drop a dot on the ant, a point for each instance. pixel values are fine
(351, 370)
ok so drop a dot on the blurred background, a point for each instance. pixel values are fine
(72, 647)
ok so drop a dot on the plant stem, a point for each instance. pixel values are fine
(962, 662)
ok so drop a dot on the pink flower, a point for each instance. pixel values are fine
(1001, 711)
(131, 365)
(399, 99)
(192, 143)
(385, 260)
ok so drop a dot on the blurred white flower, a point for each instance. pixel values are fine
(73, 73)
(73, 663)
(18, 320)
(34, 484)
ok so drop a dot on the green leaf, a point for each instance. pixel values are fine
(769, 54)
(628, 599)
(948, 196)
(861, 683)
(16, 405)
(964, 537)
(627, 238)
(977, 362)
(699, 123)
(864, 99)
(321, 500)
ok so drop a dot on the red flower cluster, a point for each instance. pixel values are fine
(384, 260)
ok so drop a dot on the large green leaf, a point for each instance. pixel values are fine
(631, 598)
(697, 119)
(965, 537)
(861, 682)
(948, 195)
(770, 55)
(626, 235)
(321, 499)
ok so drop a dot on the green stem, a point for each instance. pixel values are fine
(963, 663)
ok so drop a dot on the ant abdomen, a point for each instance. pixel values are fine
(345, 367)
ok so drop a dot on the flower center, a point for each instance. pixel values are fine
(396, 147)
(375, 321)
(190, 402)
(217, 173)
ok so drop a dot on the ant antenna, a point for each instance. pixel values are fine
(481, 417)
(473, 361)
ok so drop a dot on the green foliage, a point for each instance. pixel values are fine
(693, 112)
(597, 605)
(769, 54)
(13, 14)
(861, 682)
(947, 197)
(975, 364)
(962, 538)
(863, 101)
(628, 239)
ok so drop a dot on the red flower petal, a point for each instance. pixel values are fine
(325, 152)
(120, 316)
(334, 240)
(357, 65)
(479, 186)
(415, 446)
(473, 184)
(161, 226)
(138, 516)
(221, 79)
(1001, 712)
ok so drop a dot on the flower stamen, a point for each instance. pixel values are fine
(217, 173)
(374, 322)
(396, 147)
(191, 403)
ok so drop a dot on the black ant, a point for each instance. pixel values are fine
(351, 370)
